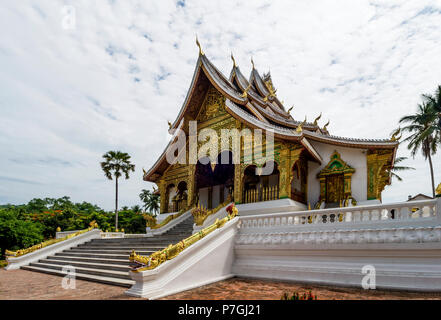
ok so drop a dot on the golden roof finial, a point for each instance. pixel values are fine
(395, 134)
(289, 110)
(325, 127)
(252, 62)
(266, 98)
(143, 170)
(299, 128)
(234, 61)
(244, 94)
(317, 119)
(169, 124)
(438, 190)
(199, 45)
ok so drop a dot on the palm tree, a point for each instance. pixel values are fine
(136, 208)
(435, 103)
(151, 200)
(399, 168)
(424, 133)
(116, 163)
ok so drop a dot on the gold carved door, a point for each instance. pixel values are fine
(334, 188)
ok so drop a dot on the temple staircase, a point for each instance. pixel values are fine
(107, 260)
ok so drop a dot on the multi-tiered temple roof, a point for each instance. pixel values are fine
(254, 102)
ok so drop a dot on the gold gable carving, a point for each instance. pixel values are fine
(213, 105)
(336, 166)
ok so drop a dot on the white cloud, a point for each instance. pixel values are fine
(68, 96)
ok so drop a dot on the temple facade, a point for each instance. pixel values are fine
(308, 164)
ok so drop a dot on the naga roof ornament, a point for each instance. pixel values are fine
(395, 134)
(199, 45)
(244, 94)
(234, 61)
(317, 119)
(299, 128)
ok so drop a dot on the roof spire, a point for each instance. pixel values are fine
(299, 128)
(325, 127)
(199, 45)
(395, 134)
(244, 94)
(252, 62)
(234, 61)
(317, 119)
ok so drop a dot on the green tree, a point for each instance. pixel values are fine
(150, 200)
(424, 133)
(396, 168)
(16, 233)
(116, 163)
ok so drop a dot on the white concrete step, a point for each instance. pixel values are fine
(81, 276)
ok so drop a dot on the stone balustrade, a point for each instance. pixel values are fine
(413, 211)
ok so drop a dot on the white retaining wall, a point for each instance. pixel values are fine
(405, 251)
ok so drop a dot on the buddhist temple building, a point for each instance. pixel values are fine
(310, 165)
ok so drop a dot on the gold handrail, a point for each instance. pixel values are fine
(200, 214)
(161, 256)
(49, 242)
(153, 224)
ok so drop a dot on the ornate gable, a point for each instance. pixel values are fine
(336, 166)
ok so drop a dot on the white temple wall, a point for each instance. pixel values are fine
(356, 158)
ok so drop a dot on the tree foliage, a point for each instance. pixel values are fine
(25, 225)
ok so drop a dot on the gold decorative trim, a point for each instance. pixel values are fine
(152, 223)
(200, 214)
(46, 243)
(157, 258)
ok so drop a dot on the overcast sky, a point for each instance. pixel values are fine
(68, 95)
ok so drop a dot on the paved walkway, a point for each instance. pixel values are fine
(28, 285)
(22, 284)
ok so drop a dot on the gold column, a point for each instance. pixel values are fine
(191, 185)
(294, 156)
(376, 176)
(163, 196)
(284, 172)
(238, 183)
(347, 185)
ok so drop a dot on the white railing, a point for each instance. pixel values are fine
(410, 212)
(172, 223)
(112, 235)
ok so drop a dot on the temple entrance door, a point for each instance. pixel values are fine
(334, 188)
(214, 184)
